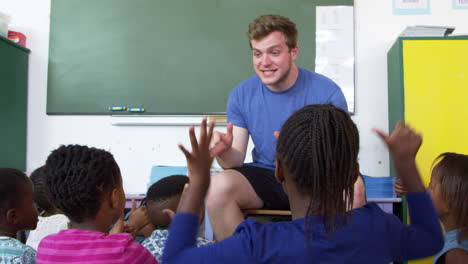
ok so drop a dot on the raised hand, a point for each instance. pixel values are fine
(222, 141)
(199, 160)
(403, 142)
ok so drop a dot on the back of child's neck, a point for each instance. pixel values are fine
(89, 225)
(449, 224)
(8, 232)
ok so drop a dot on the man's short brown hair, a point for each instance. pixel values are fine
(263, 25)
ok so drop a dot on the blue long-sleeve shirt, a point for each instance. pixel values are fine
(371, 236)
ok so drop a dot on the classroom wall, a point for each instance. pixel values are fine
(136, 149)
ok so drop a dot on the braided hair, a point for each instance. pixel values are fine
(77, 179)
(318, 147)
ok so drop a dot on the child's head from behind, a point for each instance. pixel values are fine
(82, 181)
(449, 189)
(17, 208)
(164, 194)
(317, 149)
(38, 179)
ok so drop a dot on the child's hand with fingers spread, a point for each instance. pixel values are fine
(199, 164)
(199, 160)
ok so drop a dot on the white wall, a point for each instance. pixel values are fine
(136, 149)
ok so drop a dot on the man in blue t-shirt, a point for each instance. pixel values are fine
(258, 107)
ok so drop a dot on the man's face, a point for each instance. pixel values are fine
(272, 61)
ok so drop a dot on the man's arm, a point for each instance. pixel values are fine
(231, 155)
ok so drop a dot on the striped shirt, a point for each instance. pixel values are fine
(83, 246)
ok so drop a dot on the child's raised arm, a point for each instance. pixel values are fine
(404, 144)
(423, 237)
(199, 162)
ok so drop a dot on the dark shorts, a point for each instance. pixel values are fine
(266, 186)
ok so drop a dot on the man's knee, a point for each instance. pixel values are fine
(222, 189)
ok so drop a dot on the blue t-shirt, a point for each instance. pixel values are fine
(371, 236)
(451, 242)
(253, 106)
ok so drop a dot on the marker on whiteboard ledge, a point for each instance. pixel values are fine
(136, 109)
(117, 108)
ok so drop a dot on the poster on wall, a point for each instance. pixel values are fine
(411, 7)
(334, 54)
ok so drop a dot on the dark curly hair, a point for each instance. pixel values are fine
(318, 147)
(167, 188)
(12, 185)
(77, 178)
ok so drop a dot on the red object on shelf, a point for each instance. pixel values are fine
(17, 37)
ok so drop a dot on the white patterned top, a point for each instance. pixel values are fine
(46, 226)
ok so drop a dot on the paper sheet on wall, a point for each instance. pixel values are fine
(334, 56)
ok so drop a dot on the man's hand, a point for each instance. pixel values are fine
(222, 141)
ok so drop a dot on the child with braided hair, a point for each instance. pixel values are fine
(316, 164)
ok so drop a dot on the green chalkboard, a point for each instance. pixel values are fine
(168, 56)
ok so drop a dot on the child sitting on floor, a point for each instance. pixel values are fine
(162, 200)
(449, 191)
(86, 184)
(17, 212)
(51, 220)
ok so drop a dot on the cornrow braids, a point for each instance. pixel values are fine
(318, 146)
(77, 179)
(38, 179)
(451, 172)
(12, 185)
(167, 188)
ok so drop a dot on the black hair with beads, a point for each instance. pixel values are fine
(167, 188)
(77, 179)
(318, 147)
(12, 186)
